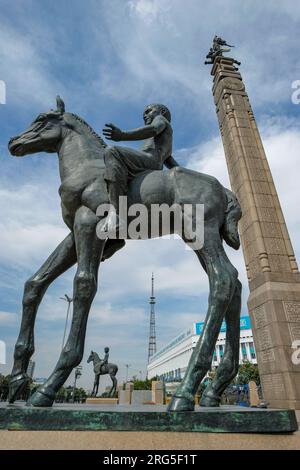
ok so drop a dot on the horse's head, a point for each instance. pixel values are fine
(43, 135)
(91, 357)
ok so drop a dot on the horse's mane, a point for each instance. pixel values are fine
(89, 128)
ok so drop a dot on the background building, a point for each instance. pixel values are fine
(170, 362)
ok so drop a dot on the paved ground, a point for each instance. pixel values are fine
(103, 440)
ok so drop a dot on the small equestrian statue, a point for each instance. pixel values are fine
(103, 367)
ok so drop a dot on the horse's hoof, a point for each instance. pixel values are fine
(210, 399)
(16, 386)
(180, 404)
(40, 398)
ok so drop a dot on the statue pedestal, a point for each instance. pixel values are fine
(101, 401)
(87, 417)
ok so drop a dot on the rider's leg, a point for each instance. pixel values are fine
(122, 164)
(116, 177)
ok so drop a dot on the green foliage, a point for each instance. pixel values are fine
(64, 394)
(107, 395)
(4, 386)
(247, 372)
(4, 382)
(144, 384)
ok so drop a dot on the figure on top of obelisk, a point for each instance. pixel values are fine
(217, 51)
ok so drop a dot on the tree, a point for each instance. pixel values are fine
(144, 384)
(247, 372)
(61, 395)
(4, 387)
(4, 383)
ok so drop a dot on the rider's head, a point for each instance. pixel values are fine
(153, 110)
(106, 350)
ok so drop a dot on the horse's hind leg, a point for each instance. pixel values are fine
(222, 280)
(62, 258)
(229, 365)
(114, 385)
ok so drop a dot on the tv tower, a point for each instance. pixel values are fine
(152, 334)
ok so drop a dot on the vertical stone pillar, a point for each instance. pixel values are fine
(157, 392)
(274, 280)
(119, 391)
(128, 392)
(253, 395)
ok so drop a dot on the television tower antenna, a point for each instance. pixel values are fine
(152, 334)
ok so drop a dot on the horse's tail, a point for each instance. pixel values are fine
(233, 213)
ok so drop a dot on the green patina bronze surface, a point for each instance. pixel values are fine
(147, 418)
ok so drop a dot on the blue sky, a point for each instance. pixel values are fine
(107, 59)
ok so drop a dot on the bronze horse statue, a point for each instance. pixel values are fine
(81, 165)
(103, 369)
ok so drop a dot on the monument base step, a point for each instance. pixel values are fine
(69, 417)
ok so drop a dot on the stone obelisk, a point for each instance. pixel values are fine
(274, 279)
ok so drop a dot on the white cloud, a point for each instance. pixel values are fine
(8, 318)
(160, 48)
(147, 10)
(25, 244)
(30, 225)
(207, 157)
(105, 314)
(24, 67)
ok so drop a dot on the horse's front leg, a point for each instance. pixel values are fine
(113, 389)
(89, 250)
(229, 365)
(94, 387)
(62, 258)
(97, 384)
(222, 280)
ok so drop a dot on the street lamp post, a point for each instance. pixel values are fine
(77, 375)
(69, 301)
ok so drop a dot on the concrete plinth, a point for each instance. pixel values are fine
(139, 397)
(158, 394)
(231, 419)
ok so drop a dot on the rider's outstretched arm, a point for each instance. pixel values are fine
(111, 132)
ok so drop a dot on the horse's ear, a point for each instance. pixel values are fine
(60, 105)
